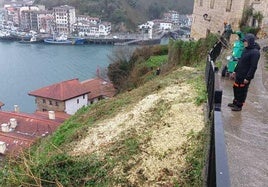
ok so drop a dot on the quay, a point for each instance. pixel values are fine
(110, 40)
(114, 39)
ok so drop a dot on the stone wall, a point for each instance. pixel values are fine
(49, 104)
(262, 6)
(218, 14)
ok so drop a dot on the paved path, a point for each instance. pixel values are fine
(246, 132)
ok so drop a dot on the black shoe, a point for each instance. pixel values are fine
(231, 105)
(236, 108)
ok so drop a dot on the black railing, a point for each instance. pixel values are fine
(218, 171)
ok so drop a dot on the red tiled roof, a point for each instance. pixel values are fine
(59, 116)
(61, 91)
(99, 87)
(29, 128)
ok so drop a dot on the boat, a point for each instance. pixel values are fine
(79, 41)
(33, 39)
(62, 39)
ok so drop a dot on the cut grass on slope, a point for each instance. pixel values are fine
(154, 135)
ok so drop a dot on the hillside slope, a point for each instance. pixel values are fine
(163, 125)
(154, 135)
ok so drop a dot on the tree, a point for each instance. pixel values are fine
(120, 66)
(154, 11)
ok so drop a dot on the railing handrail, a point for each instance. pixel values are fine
(218, 170)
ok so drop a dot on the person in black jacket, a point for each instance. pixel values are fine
(244, 71)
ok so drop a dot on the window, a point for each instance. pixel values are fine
(229, 5)
(84, 96)
(200, 2)
(212, 2)
(77, 101)
(56, 103)
(50, 102)
(44, 101)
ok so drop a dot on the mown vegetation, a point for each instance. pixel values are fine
(49, 162)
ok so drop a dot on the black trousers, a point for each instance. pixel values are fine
(240, 93)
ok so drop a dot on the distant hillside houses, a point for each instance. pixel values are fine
(171, 20)
(61, 19)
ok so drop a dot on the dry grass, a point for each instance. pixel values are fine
(161, 122)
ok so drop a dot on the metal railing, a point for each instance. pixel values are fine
(218, 171)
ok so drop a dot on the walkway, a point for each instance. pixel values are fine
(246, 132)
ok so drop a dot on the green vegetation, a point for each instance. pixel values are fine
(156, 61)
(122, 161)
(246, 26)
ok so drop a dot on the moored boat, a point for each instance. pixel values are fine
(62, 39)
(79, 41)
(33, 39)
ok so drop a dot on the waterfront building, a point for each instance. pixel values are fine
(12, 14)
(105, 28)
(45, 21)
(64, 17)
(209, 15)
(28, 18)
(87, 28)
(67, 96)
(89, 19)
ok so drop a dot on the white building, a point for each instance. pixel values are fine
(172, 16)
(89, 19)
(71, 95)
(64, 17)
(67, 96)
(87, 28)
(165, 25)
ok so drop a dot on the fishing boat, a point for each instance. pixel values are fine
(62, 39)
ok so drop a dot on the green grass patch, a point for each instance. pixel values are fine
(156, 61)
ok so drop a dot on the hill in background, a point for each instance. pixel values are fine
(125, 13)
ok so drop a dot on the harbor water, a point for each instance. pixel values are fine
(27, 67)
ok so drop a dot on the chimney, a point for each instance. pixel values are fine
(2, 147)
(13, 123)
(16, 109)
(51, 115)
(5, 127)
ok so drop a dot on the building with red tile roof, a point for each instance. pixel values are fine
(99, 89)
(67, 96)
(21, 130)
